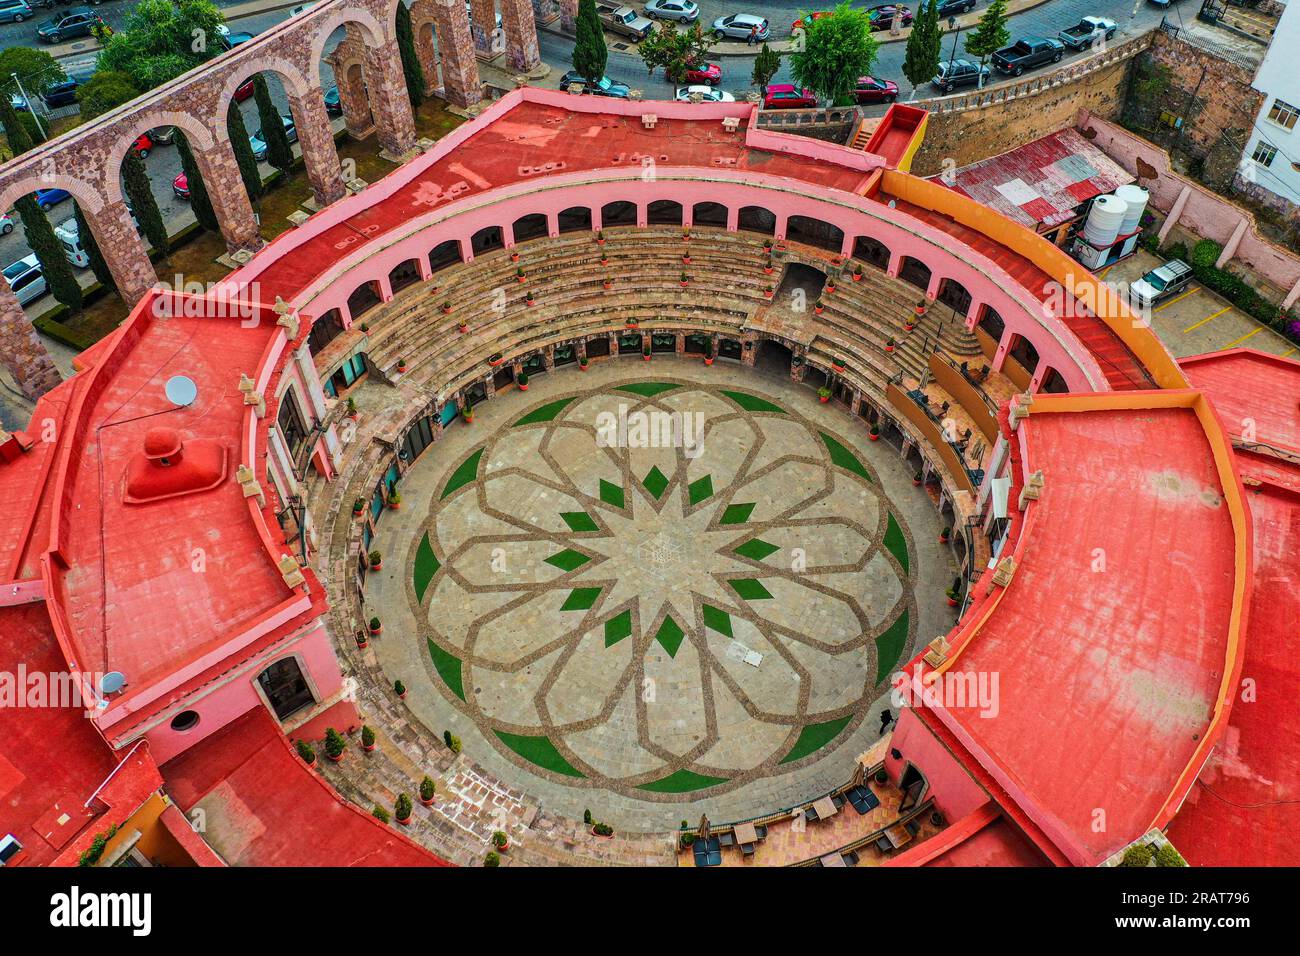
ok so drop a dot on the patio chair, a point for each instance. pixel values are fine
(761, 831)
(838, 800)
(883, 844)
(852, 858)
(810, 815)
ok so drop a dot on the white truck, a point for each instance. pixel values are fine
(624, 21)
(1087, 32)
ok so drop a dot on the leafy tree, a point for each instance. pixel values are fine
(199, 201)
(766, 64)
(59, 276)
(104, 91)
(19, 136)
(990, 34)
(921, 61)
(675, 52)
(837, 50)
(243, 151)
(278, 151)
(140, 196)
(36, 68)
(411, 68)
(589, 51)
(97, 264)
(161, 39)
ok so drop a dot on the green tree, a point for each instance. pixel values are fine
(243, 151)
(41, 240)
(837, 50)
(199, 201)
(278, 151)
(675, 52)
(766, 64)
(990, 34)
(36, 68)
(97, 264)
(411, 68)
(16, 132)
(921, 61)
(104, 91)
(161, 39)
(140, 197)
(589, 51)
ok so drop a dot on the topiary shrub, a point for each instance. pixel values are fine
(1137, 855)
(334, 743)
(403, 806)
(305, 751)
(367, 737)
(1168, 856)
(427, 788)
(492, 859)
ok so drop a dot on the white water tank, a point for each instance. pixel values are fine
(1104, 220)
(1136, 197)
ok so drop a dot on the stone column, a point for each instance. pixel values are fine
(424, 26)
(319, 157)
(386, 87)
(569, 16)
(460, 81)
(230, 203)
(483, 17)
(21, 349)
(123, 250)
(347, 62)
(521, 34)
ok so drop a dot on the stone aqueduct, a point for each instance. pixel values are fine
(367, 68)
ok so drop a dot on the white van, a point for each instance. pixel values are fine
(69, 237)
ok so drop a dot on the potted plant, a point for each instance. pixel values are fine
(500, 841)
(467, 412)
(889, 345)
(837, 364)
(686, 235)
(494, 359)
(768, 292)
(874, 433)
(427, 789)
(522, 381)
(608, 282)
(492, 859)
(767, 247)
(685, 280)
(953, 596)
(818, 307)
(519, 274)
(403, 808)
(376, 560)
(358, 506)
(306, 752)
(600, 237)
(365, 327)
(352, 408)
(375, 626)
(602, 830)
(582, 362)
(367, 739)
(645, 351)
(446, 308)
(362, 639)
(529, 300)
(632, 322)
(401, 366)
(830, 286)
(920, 308)
(399, 689)
(463, 325)
(909, 324)
(943, 535)
(836, 261)
(857, 272)
(882, 777)
(334, 744)
(823, 394)
(708, 352)
(768, 267)
(394, 499)
(936, 819)
(380, 814)
(514, 256)
(686, 258)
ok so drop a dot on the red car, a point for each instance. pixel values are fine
(872, 90)
(798, 24)
(244, 90)
(181, 186)
(709, 73)
(142, 145)
(783, 96)
(882, 17)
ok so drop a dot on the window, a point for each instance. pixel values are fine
(1284, 114)
(1264, 153)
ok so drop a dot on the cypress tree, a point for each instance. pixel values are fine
(278, 151)
(410, 60)
(589, 51)
(59, 277)
(921, 60)
(142, 202)
(97, 264)
(199, 201)
(248, 170)
(20, 138)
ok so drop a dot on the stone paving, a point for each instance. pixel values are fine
(594, 674)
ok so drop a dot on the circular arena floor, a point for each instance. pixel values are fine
(655, 589)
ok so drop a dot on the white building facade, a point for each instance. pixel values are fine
(1270, 164)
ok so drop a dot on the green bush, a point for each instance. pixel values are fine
(1137, 855)
(1168, 856)
(367, 737)
(492, 859)
(334, 742)
(403, 806)
(305, 751)
(427, 787)
(381, 814)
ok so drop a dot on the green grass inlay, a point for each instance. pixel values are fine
(540, 751)
(617, 628)
(682, 781)
(751, 589)
(568, 559)
(737, 514)
(426, 566)
(580, 599)
(844, 458)
(752, 403)
(611, 494)
(756, 549)
(896, 542)
(463, 475)
(816, 736)
(697, 491)
(448, 668)
(718, 620)
(889, 647)
(670, 635)
(545, 413)
(655, 482)
(647, 388)
(579, 521)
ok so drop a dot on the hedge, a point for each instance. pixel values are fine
(1234, 288)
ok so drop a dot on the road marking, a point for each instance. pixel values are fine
(1177, 298)
(1102, 273)
(1206, 319)
(1287, 352)
(1255, 331)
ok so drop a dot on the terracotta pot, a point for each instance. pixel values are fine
(830, 288)
(401, 369)
(362, 645)
(394, 505)
(600, 242)
(767, 270)
(768, 295)
(685, 284)
(520, 278)
(889, 348)
(708, 361)
(529, 300)
(376, 566)
(514, 257)
(375, 631)
(943, 539)
(916, 483)
(952, 602)
(402, 695)
(837, 368)
(335, 759)
(582, 366)
(818, 309)
(405, 823)
(446, 311)
(463, 328)
(823, 399)
(857, 277)
(686, 260)
(492, 364)
(646, 357)
(370, 749)
(603, 836)
(604, 261)
(908, 326)
(523, 388)
(608, 285)
(874, 437)
(427, 803)
(354, 415)
(501, 849)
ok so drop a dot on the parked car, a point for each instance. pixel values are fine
(882, 17)
(1087, 31)
(709, 73)
(333, 105)
(181, 186)
(26, 279)
(816, 15)
(783, 96)
(1160, 283)
(143, 145)
(258, 141)
(6, 224)
(606, 86)
(955, 73)
(300, 8)
(951, 8)
(708, 94)
(683, 11)
(14, 11)
(1027, 53)
(244, 90)
(623, 20)
(740, 26)
(76, 22)
(45, 198)
(62, 93)
(163, 135)
(230, 40)
(873, 90)
(18, 102)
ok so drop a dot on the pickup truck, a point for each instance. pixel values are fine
(1027, 53)
(623, 21)
(1086, 32)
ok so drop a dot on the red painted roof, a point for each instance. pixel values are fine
(998, 844)
(1253, 392)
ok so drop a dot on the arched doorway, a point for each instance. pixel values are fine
(487, 239)
(286, 688)
(531, 226)
(915, 272)
(363, 298)
(620, 213)
(756, 219)
(773, 357)
(871, 251)
(709, 214)
(575, 219)
(815, 232)
(664, 212)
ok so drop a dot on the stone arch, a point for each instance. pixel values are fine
(202, 139)
(86, 194)
(364, 20)
(293, 80)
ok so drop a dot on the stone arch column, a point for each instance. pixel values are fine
(569, 16)
(520, 28)
(483, 20)
(316, 138)
(389, 102)
(123, 251)
(347, 61)
(428, 42)
(460, 80)
(234, 212)
(21, 350)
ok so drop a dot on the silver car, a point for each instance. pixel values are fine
(26, 278)
(1161, 283)
(740, 26)
(683, 11)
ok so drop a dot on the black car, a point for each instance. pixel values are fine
(606, 86)
(63, 93)
(76, 22)
(951, 8)
(955, 73)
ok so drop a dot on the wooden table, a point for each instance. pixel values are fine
(745, 833)
(898, 835)
(825, 808)
(834, 859)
